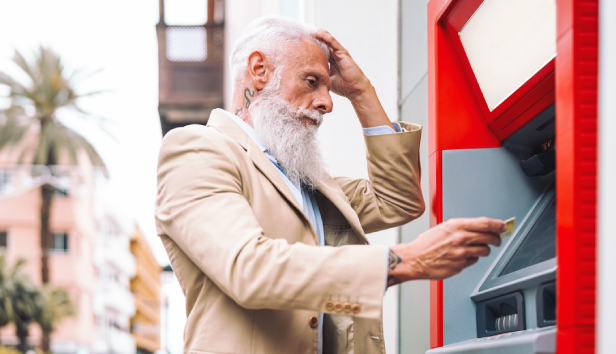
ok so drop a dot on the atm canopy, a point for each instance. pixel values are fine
(506, 50)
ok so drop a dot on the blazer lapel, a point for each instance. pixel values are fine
(269, 170)
(227, 126)
(329, 188)
(332, 191)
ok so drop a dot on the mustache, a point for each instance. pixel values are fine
(313, 115)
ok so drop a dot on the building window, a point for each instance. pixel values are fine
(4, 239)
(186, 44)
(60, 243)
(5, 180)
(61, 192)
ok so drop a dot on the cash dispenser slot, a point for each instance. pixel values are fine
(542, 161)
(501, 315)
(546, 304)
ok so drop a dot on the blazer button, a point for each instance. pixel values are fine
(314, 322)
(346, 307)
(356, 308)
(338, 306)
(329, 305)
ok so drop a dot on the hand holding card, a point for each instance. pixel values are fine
(510, 227)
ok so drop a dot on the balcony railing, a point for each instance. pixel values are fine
(19, 179)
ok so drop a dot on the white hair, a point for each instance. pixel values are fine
(273, 36)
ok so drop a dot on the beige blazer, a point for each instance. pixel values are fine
(247, 258)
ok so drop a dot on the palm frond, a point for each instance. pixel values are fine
(65, 141)
(56, 139)
(17, 88)
(92, 153)
(17, 269)
(57, 305)
(98, 120)
(19, 59)
(13, 130)
(51, 88)
(42, 152)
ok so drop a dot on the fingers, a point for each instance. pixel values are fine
(481, 238)
(470, 261)
(481, 224)
(330, 40)
(477, 251)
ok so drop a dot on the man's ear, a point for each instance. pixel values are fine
(259, 70)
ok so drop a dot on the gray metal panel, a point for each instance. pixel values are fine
(413, 45)
(530, 307)
(479, 182)
(414, 296)
(530, 341)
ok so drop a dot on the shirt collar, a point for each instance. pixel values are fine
(247, 129)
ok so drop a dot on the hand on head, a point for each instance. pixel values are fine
(444, 250)
(348, 79)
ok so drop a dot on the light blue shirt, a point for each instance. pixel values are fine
(304, 197)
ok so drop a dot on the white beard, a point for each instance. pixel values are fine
(293, 143)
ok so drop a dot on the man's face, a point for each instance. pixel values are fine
(305, 80)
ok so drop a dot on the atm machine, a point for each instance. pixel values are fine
(512, 133)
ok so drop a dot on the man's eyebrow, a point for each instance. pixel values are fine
(320, 77)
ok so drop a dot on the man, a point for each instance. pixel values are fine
(270, 250)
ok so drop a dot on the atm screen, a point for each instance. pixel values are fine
(532, 250)
(539, 244)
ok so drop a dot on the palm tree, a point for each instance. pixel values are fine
(6, 287)
(48, 88)
(57, 304)
(21, 301)
(27, 305)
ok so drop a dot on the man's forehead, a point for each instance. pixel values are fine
(311, 60)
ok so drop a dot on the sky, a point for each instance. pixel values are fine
(119, 37)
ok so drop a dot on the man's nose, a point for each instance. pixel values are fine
(323, 101)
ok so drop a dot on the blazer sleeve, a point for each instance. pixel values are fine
(392, 195)
(200, 206)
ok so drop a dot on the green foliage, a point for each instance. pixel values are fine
(7, 350)
(11, 279)
(16, 124)
(6, 309)
(23, 303)
(27, 302)
(48, 87)
(57, 304)
(21, 299)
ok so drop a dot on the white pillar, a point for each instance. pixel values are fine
(606, 242)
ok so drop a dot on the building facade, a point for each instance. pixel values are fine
(90, 254)
(114, 302)
(146, 287)
(71, 262)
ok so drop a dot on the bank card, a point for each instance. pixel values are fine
(510, 227)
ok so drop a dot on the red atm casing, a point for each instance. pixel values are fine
(459, 118)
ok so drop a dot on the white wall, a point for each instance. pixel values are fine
(368, 29)
(606, 245)
(415, 295)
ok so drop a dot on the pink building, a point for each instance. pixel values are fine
(76, 259)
